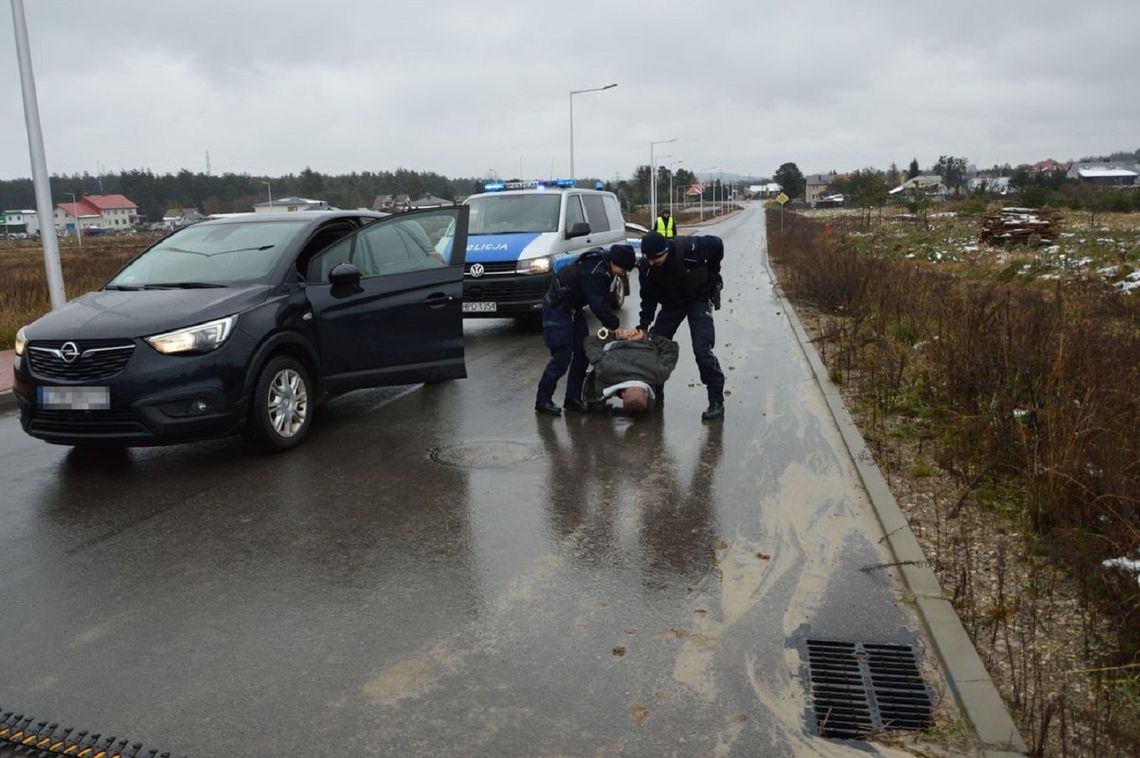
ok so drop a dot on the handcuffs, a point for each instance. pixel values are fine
(603, 334)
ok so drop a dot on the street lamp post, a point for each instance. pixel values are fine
(671, 165)
(269, 187)
(653, 177)
(75, 212)
(40, 181)
(574, 92)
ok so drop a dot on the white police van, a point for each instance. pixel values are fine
(521, 232)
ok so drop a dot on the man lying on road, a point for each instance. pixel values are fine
(633, 371)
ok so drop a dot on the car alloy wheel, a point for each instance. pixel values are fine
(281, 409)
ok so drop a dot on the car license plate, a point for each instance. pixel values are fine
(74, 398)
(480, 307)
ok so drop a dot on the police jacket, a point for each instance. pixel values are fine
(688, 275)
(584, 282)
(666, 227)
(650, 360)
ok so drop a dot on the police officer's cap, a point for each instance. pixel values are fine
(653, 245)
(623, 256)
(664, 211)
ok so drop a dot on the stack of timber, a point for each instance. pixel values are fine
(1019, 225)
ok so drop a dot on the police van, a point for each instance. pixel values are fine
(520, 233)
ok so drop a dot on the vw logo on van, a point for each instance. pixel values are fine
(69, 351)
(477, 270)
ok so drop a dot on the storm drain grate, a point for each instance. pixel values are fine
(23, 735)
(860, 687)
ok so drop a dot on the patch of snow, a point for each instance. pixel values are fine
(1130, 565)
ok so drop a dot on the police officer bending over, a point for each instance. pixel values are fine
(585, 282)
(682, 275)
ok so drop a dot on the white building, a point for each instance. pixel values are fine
(21, 222)
(291, 205)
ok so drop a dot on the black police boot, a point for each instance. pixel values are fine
(547, 407)
(578, 406)
(714, 411)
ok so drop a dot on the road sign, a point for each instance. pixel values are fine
(782, 198)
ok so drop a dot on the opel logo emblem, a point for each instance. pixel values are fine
(477, 270)
(69, 352)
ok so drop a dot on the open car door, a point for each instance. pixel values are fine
(388, 301)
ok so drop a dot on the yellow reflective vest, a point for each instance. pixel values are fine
(665, 228)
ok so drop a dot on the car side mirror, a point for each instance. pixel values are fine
(580, 229)
(345, 279)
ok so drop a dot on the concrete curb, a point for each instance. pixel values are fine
(965, 674)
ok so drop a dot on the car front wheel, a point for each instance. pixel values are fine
(282, 407)
(617, 293)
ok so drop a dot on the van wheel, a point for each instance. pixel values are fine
(282, 408)
(617, 293)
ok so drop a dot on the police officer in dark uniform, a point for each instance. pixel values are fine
(585, 282)
(682, 275)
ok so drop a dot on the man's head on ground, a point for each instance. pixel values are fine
(635, 400)
(655, 248)
(622, 259)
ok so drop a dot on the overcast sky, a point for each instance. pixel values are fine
(464, 87)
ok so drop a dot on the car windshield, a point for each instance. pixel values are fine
(210, 255)
(513, 214)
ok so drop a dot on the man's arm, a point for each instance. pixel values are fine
(596, 288)
(648, 291)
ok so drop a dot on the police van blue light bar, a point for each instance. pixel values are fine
(533, 184)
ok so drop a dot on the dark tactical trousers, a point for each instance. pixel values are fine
(563, 334)
(702, 331)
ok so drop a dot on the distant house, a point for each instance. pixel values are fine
(430, 201)
(1108, 177)
(929, 184)
(103, 211)
(1094, 172)
(179, 217)
(290, 205)
(1048, 166)
(763, 191)
(815, 186)
(391, 203)
(995, 185)
(21, 223)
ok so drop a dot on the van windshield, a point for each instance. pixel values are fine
(514, 214)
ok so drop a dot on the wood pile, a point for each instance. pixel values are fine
(1019, 225)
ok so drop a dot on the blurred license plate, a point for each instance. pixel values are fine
(75, 398)
(480, 307)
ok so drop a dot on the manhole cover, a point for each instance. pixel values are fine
(485, 454)
(859, 687)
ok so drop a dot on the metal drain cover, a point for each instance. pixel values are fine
(861, 687)
(485, 454)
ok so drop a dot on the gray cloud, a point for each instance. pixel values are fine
(464, 88)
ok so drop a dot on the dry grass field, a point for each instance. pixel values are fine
(996, 387)
(23, 281)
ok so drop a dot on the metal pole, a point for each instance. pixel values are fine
(39, 161)
(653, 179)
(574, 92)
(269, 187)
(75, 212)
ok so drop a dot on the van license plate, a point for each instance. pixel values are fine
(74, 398)
(480, 307)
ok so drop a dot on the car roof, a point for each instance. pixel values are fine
(545, 191)
(307, 216)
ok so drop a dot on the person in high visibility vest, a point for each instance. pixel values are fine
(665, 225)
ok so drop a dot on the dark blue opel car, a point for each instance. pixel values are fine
(243, 324)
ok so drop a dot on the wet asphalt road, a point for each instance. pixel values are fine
(569, 586)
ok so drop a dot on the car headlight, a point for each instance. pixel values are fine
(535, 266)
(21, 341)
(201, 338)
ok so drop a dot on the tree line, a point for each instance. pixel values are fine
(233, 193)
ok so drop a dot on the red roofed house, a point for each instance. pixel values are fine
(106, 211)
(1041, 167)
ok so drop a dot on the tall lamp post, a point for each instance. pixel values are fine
(671, 165)
(75, 212)
(653, 177)
(574, 92)
(40, 181)
(269, 187)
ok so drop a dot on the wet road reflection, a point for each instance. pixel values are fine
(635, 586)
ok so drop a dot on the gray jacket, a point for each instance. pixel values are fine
(651, 360)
